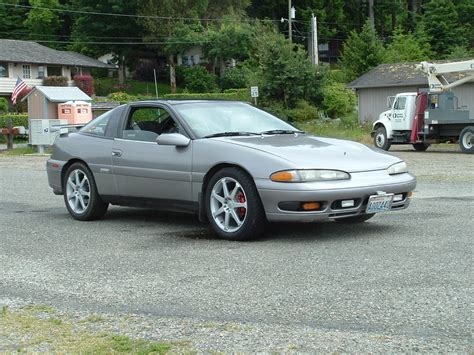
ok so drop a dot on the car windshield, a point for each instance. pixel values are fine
(230, 118)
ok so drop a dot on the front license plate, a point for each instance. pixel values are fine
(379, 203)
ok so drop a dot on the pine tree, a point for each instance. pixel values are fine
(361, 52)
(442, 26)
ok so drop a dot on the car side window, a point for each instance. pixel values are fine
(98, 126)
(147, 123)
(400, 103)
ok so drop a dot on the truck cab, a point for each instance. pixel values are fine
(395, 124)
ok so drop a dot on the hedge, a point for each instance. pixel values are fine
(230, 94)
(17, 120)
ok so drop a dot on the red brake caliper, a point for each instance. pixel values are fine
(241, 198)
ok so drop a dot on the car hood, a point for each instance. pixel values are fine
(310, 152)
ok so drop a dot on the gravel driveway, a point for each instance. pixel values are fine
(400, 282)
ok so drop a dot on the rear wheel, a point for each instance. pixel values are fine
(466, 139)
(355, 219)
(420, 147)
(233, 205)
(381, 140)
(80, 194)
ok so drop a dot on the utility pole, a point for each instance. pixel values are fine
(289, 21)
(314, 40)
(371, 13)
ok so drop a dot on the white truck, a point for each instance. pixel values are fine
(431, 116)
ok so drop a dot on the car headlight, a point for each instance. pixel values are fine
(309, 175)
(398, 168)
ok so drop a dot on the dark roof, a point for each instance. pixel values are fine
(399, 74)
(32, 52)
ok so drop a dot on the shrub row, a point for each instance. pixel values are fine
(17, 120)
(230, 94)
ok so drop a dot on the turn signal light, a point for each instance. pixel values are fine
(309, 206)
(283, 176)
(410, 194)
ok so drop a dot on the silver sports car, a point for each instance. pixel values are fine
(234, 165)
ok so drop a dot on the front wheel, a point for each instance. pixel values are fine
(233, 205)
(466, 139)
(381, 140)
(80, 194)
(420, 147)
(356, 219)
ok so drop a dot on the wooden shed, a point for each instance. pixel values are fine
(43, 100)
(375, 86)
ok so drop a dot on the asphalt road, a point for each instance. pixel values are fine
(400, 282)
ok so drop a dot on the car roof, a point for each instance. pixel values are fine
(184, 101)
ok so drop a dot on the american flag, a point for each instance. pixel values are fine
(19, 87)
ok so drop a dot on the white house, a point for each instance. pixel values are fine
(33, 61)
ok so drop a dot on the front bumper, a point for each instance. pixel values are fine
(359, 188)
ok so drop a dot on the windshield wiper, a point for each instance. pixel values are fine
(282, 131)
(229, 134)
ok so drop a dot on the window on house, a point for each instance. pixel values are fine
(185, 60)
(54, 71)
(3, 70)
(40, 72)
(26, 71)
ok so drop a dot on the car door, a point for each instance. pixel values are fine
(145, 169)
(398, 113)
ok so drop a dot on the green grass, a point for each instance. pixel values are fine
(104, 86)
(36, 326)
(22, 151)
(347, 128)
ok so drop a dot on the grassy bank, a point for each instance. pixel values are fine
(41, 329)
(346, 128)
(104, 86)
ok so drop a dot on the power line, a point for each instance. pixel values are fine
(115, 43)
(130, 15)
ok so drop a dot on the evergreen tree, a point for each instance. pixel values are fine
(361, 52)
(11, 20)
(406, 47)
(442, 26)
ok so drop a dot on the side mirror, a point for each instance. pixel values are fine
(390, 101)
(176, 139)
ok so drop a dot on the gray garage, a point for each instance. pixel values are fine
(375, 86)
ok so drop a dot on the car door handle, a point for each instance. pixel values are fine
(116, 153)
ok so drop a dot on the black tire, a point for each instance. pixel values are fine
(381, 140)
(355, 219)
(253, 224)
(420, 147)
(95, 208)
(465, 140)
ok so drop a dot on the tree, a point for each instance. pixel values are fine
(230, 40)
(285, 71)
(465, 10)
(43, 21)
(406, 47)
(442, 26)
(89, 28)
(361, 52)
(12, 18)
(166, 29)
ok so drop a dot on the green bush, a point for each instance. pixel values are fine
(338, 100)
(17, 120)
(198, 80)
(302, 112)
(233, 78)
(3, 105)
(231, 94)
(55, 81)
(121, 97)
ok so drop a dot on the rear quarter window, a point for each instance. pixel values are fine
(98, 126)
